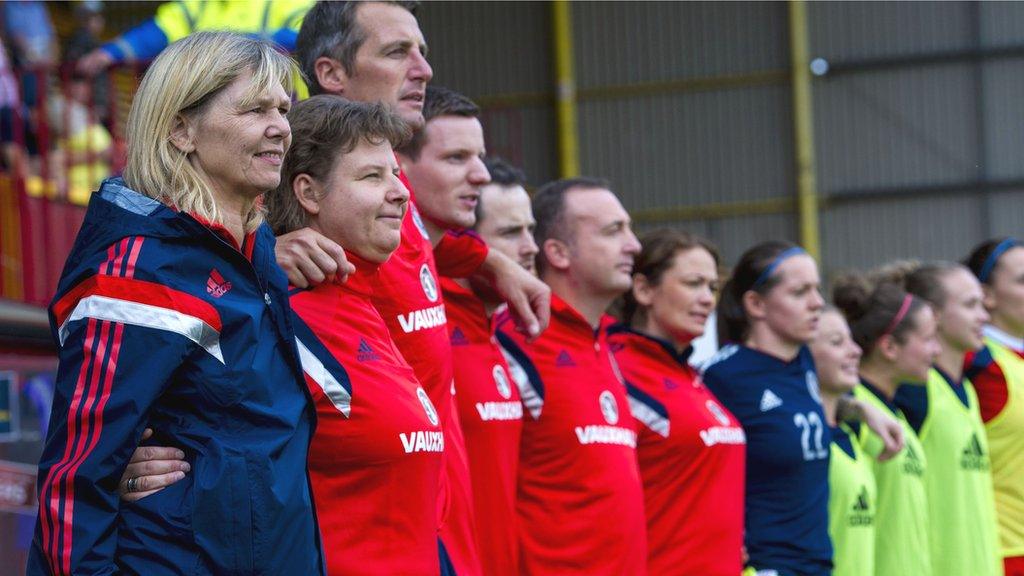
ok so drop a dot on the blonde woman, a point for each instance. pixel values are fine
(172, 312)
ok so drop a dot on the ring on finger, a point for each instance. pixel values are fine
(132, 485)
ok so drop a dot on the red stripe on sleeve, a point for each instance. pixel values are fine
(139, 291)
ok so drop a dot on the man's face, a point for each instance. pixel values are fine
(390, 66)
(602, 245)
(449, 172)
(506, 223)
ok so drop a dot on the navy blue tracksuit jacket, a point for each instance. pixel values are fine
(160, 322)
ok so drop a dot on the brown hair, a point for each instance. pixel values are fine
(330, 29)
(325, 127)
(874, 310)
(439, 101)
(548, 207)
(657, 255)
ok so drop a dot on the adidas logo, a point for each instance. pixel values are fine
(912, 463)
(862, 505)
(563, 360)
(216, 285)
(364, 353)
(860, 514)
(973, 456)
(770, 401)
(458, 338)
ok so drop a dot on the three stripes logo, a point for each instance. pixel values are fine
(216, 285)
(912, 463)
(861, 513)
(973, 456)
(458, 337)
(364, 353)
(770, 401)
(563, 360)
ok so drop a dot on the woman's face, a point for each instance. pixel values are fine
(915, 356)
(793, 306)
(677, 308)
(836, 355)
(1004, 296)
(238, 149)
(963, 314)
(362, 201)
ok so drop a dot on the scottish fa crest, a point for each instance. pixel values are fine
(609, 408)
(428, 406)
(812, 386)
(501, 381)
(427, 281)
(717, 412)
(418, 221)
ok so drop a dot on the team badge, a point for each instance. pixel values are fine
(717, 412)
(429, 286)
(428, 406)
(501, 381)
(609, 408)
(812, 386)
(418, 222)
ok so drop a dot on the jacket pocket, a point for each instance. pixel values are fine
(223, 514)
(160, 521)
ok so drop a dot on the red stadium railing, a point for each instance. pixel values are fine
(57, 148)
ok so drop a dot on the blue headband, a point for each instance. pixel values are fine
(990, 262)
(794, 251)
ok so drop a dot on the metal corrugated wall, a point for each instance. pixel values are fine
(687, 108)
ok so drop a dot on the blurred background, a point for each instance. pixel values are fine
(867, 131)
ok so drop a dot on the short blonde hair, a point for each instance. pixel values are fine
(182, 81)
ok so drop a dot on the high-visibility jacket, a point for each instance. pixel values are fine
(274, 20)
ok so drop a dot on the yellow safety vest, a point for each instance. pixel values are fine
(961, 506)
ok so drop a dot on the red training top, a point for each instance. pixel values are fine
(408, 296)
(580, 500)
(692, 456)
(491, 414)
(375, 458)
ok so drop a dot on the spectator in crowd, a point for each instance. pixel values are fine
(580, 500)
(33, 42)
(171, 312)
(82, 146)
(947, 417)
(852, 494)
(276, 21)
(690, 448)
(89, 24)
(997, 372)
(12, 118)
